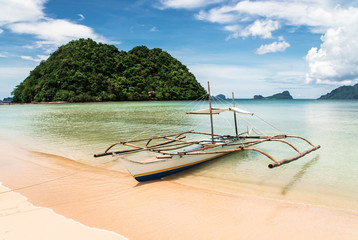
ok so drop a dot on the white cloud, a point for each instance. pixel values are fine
(335, 60)
(55, 31)
(21, 10)
(273, 47)
(295, 12)
(187, 4)
(1, 31)
(28, 17)
(216, 15)
(235, 29)
(260, 28)
(38, 59)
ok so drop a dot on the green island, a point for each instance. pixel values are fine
(343, 92)
(86, 71)
(277, 96)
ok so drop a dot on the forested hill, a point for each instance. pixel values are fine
(285, 95)
(84, 70)
(343, 92)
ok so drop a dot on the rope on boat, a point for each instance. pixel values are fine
(267, 123)
(253, 127)
(178, 123)
(263, 120)
(226, 105)
(256, 130)
(243, 145)
(194, 104)
(197, 102)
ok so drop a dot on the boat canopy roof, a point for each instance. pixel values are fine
(220, 110)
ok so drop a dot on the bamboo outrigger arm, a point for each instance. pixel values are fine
(176, 146)
(287, 160)
(262, 152)
(138, 148)
(177, 137)
(293, 136)
(166, 147)
(243, 148)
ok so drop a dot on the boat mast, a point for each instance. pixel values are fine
(233, 103)
(211, 115)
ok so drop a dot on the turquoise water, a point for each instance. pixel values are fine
(325, 177)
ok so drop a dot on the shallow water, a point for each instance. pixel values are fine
(328, 176)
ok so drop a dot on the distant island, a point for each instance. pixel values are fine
(219, 97)
(86, 71)
(277, 96)
(6, 100)
(344, 92)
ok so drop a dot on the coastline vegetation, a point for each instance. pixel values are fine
(285, 95)
(343, 92)
(86, 71)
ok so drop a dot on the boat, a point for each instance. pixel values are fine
(159, 156)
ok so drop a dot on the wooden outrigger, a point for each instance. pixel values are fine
(174, 153)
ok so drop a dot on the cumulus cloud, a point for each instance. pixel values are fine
(333, 62)
(336, 59)
(261, 28)
(28, 17)
(295, 12)
(216, 15)
(1, 31)
(187, 4)
(21, 10)
(55, 31)
(273, 47)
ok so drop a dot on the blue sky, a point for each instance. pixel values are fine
(249, 47)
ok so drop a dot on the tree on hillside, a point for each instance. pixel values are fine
(84, 70)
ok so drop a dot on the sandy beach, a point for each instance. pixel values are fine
(114, 201)
(21, 220)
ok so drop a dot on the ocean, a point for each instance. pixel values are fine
(327, 177)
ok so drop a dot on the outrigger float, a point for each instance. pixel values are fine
(174, 153)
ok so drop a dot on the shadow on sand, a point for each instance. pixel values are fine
(298, 176)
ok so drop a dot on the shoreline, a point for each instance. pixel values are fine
(179, 100)
(163, 209)
(17, 218)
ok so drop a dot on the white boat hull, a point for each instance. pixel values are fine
(160, 167)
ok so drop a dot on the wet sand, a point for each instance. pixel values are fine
(21, 220)
(114, 201)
